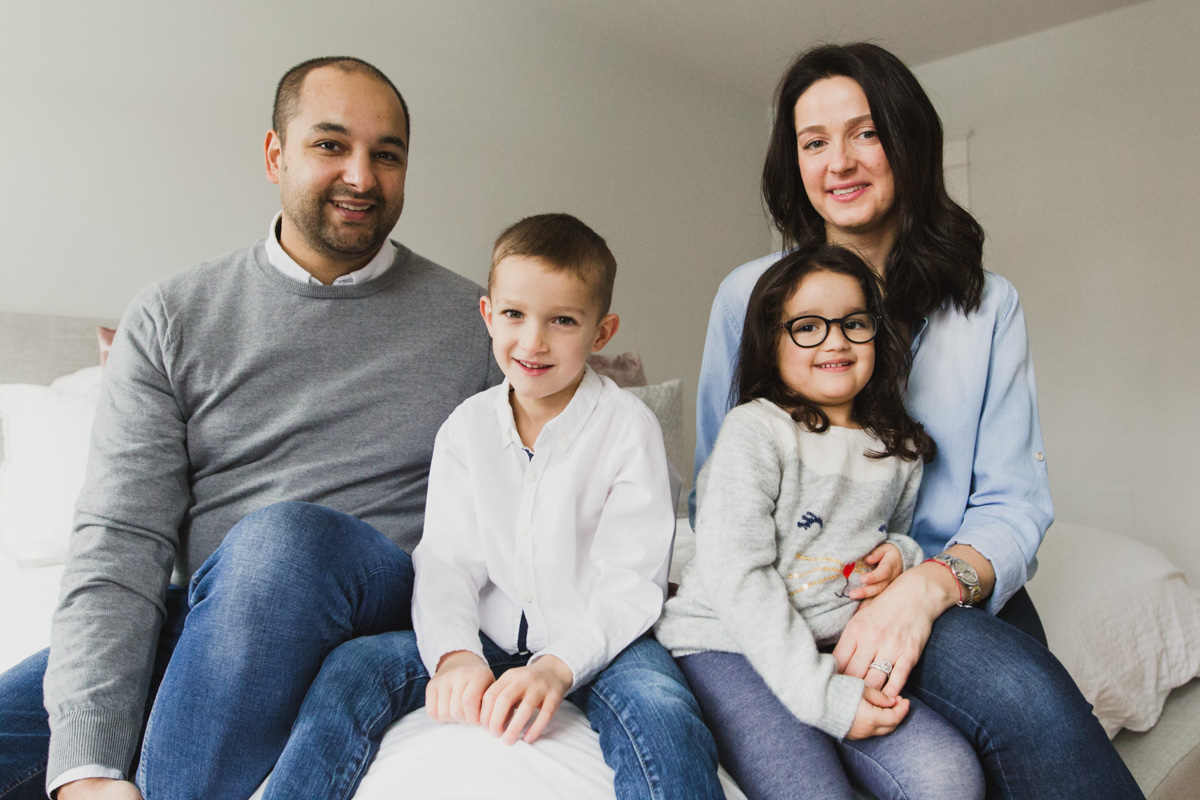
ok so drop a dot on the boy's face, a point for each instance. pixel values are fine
(543, 324)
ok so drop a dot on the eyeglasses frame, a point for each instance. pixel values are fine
(829, 323)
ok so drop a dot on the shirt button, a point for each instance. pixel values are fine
(525, 533)
(566, 440)
(529, 597)
(533, 476)
(1040, 456)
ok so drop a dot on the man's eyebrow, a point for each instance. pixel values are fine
(333, 127)
(850, 123)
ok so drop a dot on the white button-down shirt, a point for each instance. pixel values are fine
(577, 538)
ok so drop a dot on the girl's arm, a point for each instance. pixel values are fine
(736, 552)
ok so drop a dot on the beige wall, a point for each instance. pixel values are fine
(136, 133)
(1084, 171)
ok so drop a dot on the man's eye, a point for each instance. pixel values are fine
(327, 145)
(390, 157)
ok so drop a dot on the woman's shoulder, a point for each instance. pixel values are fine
(738, 284)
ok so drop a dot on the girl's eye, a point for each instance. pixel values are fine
(804, 327)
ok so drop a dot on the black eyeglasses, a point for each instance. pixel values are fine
(811, 330)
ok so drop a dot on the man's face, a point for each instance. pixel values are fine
(341, 172)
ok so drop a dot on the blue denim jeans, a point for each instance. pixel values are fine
(650, 727)
(771, 754)
(287, 585)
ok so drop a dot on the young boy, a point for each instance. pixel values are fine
(548, 529)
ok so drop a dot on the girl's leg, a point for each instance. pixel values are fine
(363, 686)
(1034, 732)
(650, 727)
(924, 757)
(769, 752)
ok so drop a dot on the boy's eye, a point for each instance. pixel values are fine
(564, 321)
(511, 313)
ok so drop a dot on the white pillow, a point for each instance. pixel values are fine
(1122, 620)
(47, 430)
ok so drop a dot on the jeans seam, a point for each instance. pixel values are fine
(896, 785)
(999, 766)
(38, 770)
(647, 774)
(360, 770)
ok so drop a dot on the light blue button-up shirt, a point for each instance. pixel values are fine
(972, 388)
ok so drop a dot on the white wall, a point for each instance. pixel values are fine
(1085, 173)
(136, 128)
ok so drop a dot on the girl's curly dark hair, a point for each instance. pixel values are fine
(879, 407)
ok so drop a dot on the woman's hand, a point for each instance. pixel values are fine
(894, 627)
(877, 714)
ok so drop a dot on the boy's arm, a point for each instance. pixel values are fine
(631, 550)
(449, 561)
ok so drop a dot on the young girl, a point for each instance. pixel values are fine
(802, 512)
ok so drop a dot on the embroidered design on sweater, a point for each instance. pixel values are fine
(808, 520)
(829, 569)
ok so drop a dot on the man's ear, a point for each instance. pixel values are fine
(605, 331)
(273, 150)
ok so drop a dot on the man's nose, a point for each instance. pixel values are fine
(359, 172)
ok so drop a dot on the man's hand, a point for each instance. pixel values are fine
(454, 694)
(889, 563)
(877, 714)
(510, 702)
(98, 789)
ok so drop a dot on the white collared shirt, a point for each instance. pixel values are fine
(281, 261)
(577, 538)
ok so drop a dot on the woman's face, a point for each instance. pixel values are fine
(842, 164)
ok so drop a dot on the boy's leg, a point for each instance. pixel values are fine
(287, 585)
(650, 727)
(925, 756)
(363, 686)
(769, 752)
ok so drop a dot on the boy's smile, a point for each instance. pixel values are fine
(544, 323)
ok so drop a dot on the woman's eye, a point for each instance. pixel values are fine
(815, 144)
(870, 133)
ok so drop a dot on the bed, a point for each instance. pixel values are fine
(1135, 656)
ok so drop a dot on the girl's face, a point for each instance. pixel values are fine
(831, 374)
(842, 164)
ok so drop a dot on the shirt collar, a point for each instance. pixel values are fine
(281, 261)
(560, 431)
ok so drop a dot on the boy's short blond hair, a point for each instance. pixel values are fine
(563, 243)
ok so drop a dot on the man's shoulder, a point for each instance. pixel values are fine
(194, 284)
(446, 280)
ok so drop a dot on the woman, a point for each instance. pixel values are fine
(855, 159)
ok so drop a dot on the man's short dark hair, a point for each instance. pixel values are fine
(562, 243)
(287, 93)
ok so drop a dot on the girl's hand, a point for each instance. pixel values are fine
(510, 702)
(889, 563)
(877, 714)
(894, 627)
(455, 693)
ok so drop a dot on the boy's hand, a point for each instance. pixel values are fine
(540, 687)
(455, 693)
(877, 714)
(889, 563)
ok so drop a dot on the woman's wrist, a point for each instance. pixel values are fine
(940, 588)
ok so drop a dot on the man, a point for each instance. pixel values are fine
(315, 366)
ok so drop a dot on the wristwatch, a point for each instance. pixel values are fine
(966, 576)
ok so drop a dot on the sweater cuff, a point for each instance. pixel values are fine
(842, 696)
(100, 736)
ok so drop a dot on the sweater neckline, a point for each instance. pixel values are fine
(321, 291)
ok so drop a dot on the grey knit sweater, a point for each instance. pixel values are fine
(231, 387)
(782, 515)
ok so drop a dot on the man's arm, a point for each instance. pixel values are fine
(122, 551)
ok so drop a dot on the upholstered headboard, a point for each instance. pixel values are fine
(37, 349)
